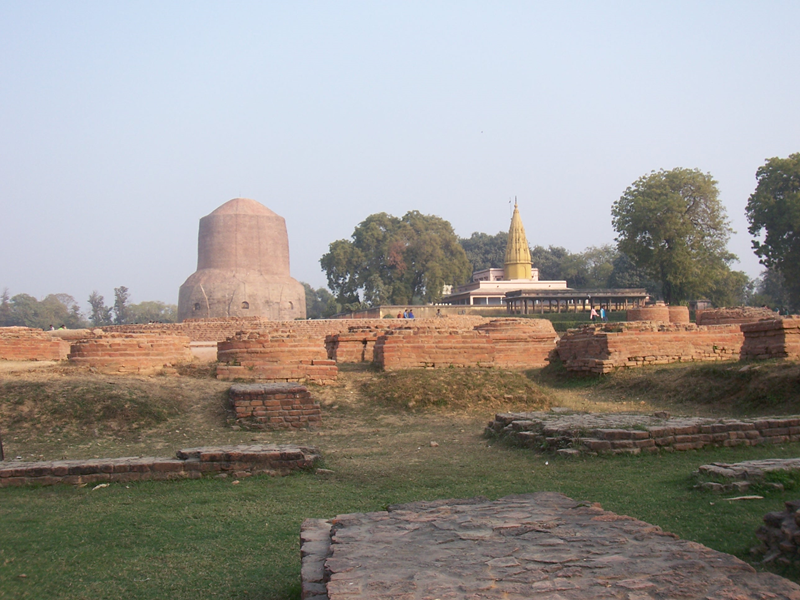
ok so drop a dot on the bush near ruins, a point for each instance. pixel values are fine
(455, 389)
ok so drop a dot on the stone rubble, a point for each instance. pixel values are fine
(780, 535)
(742, 474)
(541, 545)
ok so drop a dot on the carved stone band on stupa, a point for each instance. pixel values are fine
(242, 267)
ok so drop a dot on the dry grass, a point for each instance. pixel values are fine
(463, 390)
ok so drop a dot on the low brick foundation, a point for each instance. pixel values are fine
(772, 338)
(275, 356)
(191, 463)
(730, 316)
(357, 344)
(635, 433)
(503, 343)
(739, 476)
(274, 406)
(603, 348)
(659, 314)
(131, 352)
(25, 343)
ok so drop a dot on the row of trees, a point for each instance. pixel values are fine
(56, 310)
(672, 233)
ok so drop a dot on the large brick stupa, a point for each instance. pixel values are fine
(242, 267)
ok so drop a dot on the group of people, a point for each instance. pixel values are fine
(406, 314)
(594, 316)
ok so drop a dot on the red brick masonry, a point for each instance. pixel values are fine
(772, 338)
(503, 343)
(641, 433)
(25, 343)
(603, 348)
(274, 406)
(275, 356)
(131, 352)
(191, 463)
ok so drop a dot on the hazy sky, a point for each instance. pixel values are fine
(122, 124)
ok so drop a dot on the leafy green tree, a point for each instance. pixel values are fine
(627, 275)
(591, 268)
(54, 310)
(485, 251)
(153, 312)
(770, 290)
(6, 314)
(673, 226)
(729, 288)
(101, 314)
(773, 211)
(395, 260)
(548, 261)
(122, 313)
(320, 304)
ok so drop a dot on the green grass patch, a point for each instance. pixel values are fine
(211, 539)
(454, 388)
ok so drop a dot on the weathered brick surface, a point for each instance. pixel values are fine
(25, 343)
(357, 344)
(728, 316)
(635, 433)
(191, 463)
(658, 313)
(282, 355)
(772, 338)
(131, 352)
(274, 406)
(543, 545)
(603, 348)
(679, 314)
(505, 343)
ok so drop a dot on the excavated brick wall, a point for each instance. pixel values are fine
(25, 343)
(505, 343)
(772, 338)
(131, 352)
(220, 329)
(601, 349)
(190, 463)
(282, 355)
(728, 316)
(520, 343)
(659, 314)
(274, 406)
(679, 314)
(357, 344)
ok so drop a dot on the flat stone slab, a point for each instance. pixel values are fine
(634, 433)
(543, 545)
(739, 476)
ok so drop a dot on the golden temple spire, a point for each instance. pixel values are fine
(518, 256)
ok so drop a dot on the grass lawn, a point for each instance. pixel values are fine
(214, 538)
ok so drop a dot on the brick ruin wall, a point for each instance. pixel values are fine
(660, 314)
(503, 343)
(601, 349)
(772, 338)
(650, 434)
(274, 406)
(131, 352)
(191, 463)
(275, 356)
(220, 329)
(728, 316)
(25, 343)
(357, 343)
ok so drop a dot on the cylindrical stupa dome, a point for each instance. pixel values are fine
(242, 267)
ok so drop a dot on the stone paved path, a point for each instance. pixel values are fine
(544, 546)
